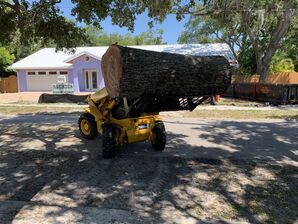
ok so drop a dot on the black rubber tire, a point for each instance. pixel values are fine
(160, 137)
(93, 126)
(108, 141)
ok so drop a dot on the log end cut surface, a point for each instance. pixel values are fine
(112, 70)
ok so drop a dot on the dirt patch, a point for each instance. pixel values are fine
(23, 97)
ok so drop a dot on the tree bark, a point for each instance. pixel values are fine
(263, 70)
(134, 73)
(264, 55)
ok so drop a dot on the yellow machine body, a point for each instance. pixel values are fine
(129, 129)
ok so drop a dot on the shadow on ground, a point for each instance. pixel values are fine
(44, 162)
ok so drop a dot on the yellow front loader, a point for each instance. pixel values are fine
(100, 118)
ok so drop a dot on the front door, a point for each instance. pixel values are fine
(91, 80)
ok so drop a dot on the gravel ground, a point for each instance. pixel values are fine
(210, 172)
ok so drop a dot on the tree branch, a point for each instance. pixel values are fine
(39, 7)
(284, 21)
(7, 4)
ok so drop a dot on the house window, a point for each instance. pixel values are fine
(31, 73)
(53, 73)
(63, 72)
(94, 80)
(42, 73)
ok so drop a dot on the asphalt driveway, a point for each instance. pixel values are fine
(211, 171)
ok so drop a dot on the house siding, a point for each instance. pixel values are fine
(80, 65)
(22, 80)
(70, 76)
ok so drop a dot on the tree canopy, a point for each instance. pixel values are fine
(43, 20)
(98, 37)
(261, 24)
(210, 30)
(38, 21)
(6, 59)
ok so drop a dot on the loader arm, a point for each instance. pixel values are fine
(99, 106)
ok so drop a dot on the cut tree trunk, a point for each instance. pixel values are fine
(263, 70)
(134, 73)
(264, 74)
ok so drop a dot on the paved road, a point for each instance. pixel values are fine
(210, 171)
(275, 140)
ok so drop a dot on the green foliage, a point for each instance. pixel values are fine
(41, 21)
(20, 50)
(124, 12)
(279, 64)
(247, 62)
(264, 22)
(38, 21)
(6, 59)
(98, 37)
(208, 29)
(246, 58)
(289, 46)
(7, 24)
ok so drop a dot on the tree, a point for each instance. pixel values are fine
(123, 12)
(20, 50)
(264, 22)
(6, 59)
(150, 37)
(98, 37)
(38, 21)
(208, 29)
(289, 46)
(270, 28)
(43, 21)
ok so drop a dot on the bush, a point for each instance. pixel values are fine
(6, 59)
(281, 65)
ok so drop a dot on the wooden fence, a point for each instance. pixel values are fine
(277, 78)
(272, 93)
(9, 84)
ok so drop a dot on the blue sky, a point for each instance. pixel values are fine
(172, 28)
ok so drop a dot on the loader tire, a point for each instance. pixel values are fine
(87, 126)
(159, 137)
(108, 141)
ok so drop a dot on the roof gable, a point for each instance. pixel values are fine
(70, 59)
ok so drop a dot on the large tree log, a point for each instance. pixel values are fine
(133, 73)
